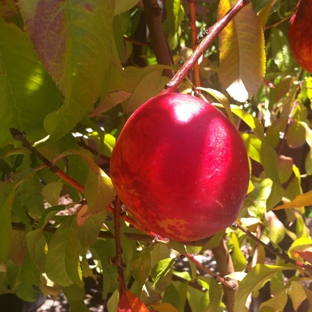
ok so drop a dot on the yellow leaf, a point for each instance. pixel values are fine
(299, 201)
(242, 52)
(163, 307)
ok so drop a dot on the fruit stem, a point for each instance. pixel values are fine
(205, 43)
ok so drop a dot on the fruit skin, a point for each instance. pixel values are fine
(300, 34)
(180, 167)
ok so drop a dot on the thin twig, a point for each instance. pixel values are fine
(273, 251)
(223, 281)
(118, 261)
(21, 136)
(205, 43)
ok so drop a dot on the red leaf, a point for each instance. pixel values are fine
(305, 254)
(129, 302)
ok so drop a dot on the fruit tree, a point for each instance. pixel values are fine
(139, 135)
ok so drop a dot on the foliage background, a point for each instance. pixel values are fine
(71, 72)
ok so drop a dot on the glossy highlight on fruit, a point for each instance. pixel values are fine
(180, 167)
(300, 34)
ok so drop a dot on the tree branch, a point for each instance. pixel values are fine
(225, 267)
(159, 45)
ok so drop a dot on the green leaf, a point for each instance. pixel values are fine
(62, 265)
(275, 196)
(161, 269)
(280, 90)
(141, 265)
(173, 9)
(143, 84)
(90, 229)
(276, 228)
(264, 12)
(173, 297)
(124, 5)
(32, 237)
(5, 220)
(251, 121)
(238, 259)
(30, 271)
(222, 100)
(74, 41)
(253, 146)
(242, 53)
(75, 296)
(28, 94)
(215, 295)
(104, 251)
(296, 135)
(18, 249)
(297, 294)
(51, 192)
(277, 303)
(253, 281)
(26, 291)
(270, 161)
(280, 49)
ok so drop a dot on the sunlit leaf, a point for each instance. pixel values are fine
(264, 12)
(285, 165)
(253, 146)
(297, 294)
(277, 303)
(141, 265)
(99, 191)
(253, 281)
(28, 94)
(242, 54)
(221, 99)
(296, 135)
(161, 269)
(73, 40)
(276, 227)
(143, 84)
(300, 201)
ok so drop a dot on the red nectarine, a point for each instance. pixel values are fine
(180, 167)
(300, 34)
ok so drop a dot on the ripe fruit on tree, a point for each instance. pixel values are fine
(300, 34)
(180, 167)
